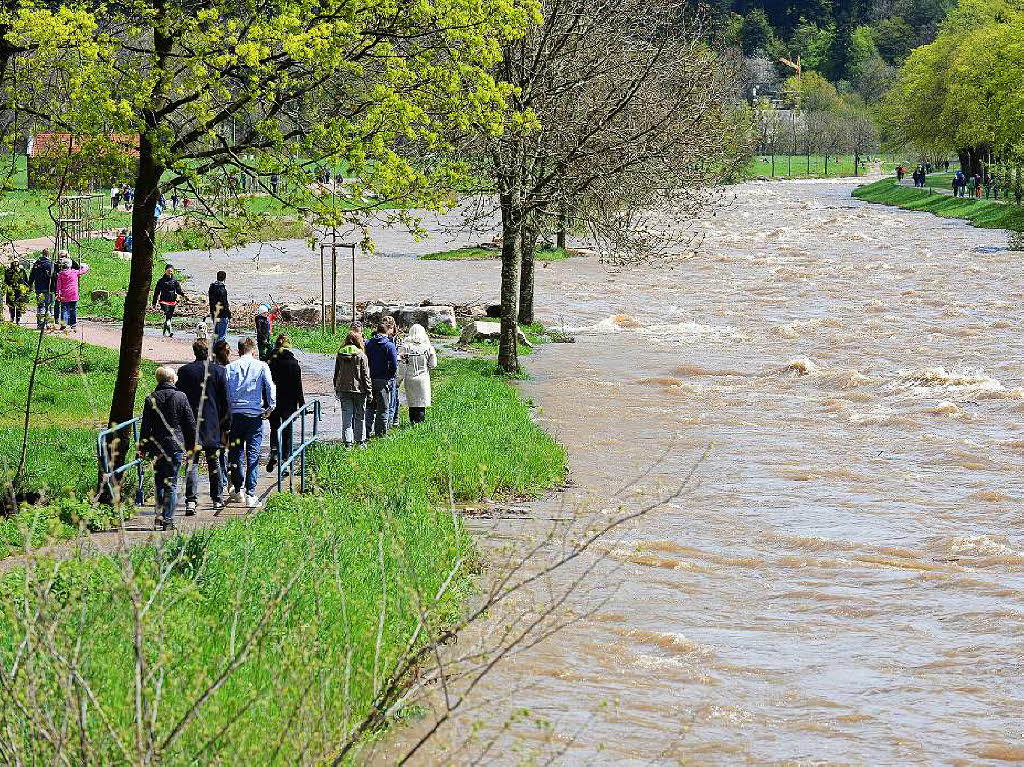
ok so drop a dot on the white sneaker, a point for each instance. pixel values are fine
(235, 496)
(190, 508)
(252, 502)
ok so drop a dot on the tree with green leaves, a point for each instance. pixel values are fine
(206, 91)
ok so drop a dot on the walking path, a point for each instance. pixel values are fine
(317, 374)
(948, 191)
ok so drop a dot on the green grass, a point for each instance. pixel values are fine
(982, 213)
(761, 166)
(488, 254)
(70, 403)
(309, 579)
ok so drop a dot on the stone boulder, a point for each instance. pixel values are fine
(487, 331)
(374, 312)
(99, 296)
(429, 317)
(303, 314)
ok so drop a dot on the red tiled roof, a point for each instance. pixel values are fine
(49, 144)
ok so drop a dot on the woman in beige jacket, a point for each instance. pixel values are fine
(416, 358)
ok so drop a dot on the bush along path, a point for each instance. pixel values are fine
(267, 638)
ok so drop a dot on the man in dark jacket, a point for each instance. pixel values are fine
(383, 358)
(220, 312)
(287, 376)
(205, 385)
(44, 283)
(168, 431)
(166, 295)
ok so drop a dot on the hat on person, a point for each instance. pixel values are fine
(65, 263)
(264, 308)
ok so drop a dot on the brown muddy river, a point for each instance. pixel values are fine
(845, 584)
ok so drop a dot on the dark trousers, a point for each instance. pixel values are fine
(168, 310)
(286, 437)
(213, 466)
(417, 414)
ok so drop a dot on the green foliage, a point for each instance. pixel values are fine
(981, 213)
(36, 526)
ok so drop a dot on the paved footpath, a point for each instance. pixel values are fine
(317, 374)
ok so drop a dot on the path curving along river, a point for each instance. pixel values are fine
(846, 582)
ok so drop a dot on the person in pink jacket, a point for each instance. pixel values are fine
(67, 290)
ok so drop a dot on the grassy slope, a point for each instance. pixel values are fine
(486, 254)
(982, 213)
(761, 166)
(375, 504)
(70, 402)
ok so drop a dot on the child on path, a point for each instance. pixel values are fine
(265, 317)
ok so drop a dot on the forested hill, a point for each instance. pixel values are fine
(854, 41)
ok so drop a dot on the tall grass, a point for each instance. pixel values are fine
(982, 213)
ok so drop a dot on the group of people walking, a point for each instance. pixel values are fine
(213, 409)
(55, 285)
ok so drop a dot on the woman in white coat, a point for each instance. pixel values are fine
(416, 358)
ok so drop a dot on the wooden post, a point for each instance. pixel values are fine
(353, 247)
(323, 293)
(334, 281)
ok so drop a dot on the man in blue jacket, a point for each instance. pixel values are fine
(44, 282)
(383, 358)
(252, 397)
(205, 385)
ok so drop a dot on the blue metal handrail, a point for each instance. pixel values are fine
(297, 453)
(107, 472)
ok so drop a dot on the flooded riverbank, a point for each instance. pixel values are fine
(845, 583)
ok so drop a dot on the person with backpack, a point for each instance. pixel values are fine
(165, 294)
(417, 358)
(205, 385)
(167, 432)
(265, 317)
(220, 311)
(287, 377)
(383, 360)
(67, 290)
(43, 279)
(16, 289)
(352, 384)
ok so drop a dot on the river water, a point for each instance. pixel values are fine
(844, 583)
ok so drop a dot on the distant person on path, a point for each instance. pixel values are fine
(16, 289)
(265, 317)
(167, 433)
(972, 185)
(222, 358)
(119, 240)
(383, 359)
(220, 311)
(287, 377)
(900, 173)
(205, 385)
(174, 200)
(44, 282)
(165, 295)
(252, 398)
(393, 335)
(416, 359)
(978, 183)
(275, 181)
(67, 290)
(115, 197)
(353, 385)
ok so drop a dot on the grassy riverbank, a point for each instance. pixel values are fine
(490, 254)
(277, 630)
(982, 213)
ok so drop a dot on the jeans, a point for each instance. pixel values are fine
(220, 330)
(382, 415)
(216, 479)
(166, 470)
(69, 313)
(43, 309)
(394, 401)
(353, 417)
(247, 437)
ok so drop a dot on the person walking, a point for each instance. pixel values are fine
(352, 384)
(43, 279)
(220, 311)
(115, 197)
(167, 432)
(383, 359)
(972, 185)
(417, 358)
(67, 290)
(287, 377)
(222, 358)
(16, 289)
(165, 294)
(252, 398)
(205, 385)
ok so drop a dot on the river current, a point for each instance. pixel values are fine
(844, 581)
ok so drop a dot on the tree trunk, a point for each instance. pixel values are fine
(511, 232)
(563, 227)
(147, 194)
(527, 273)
